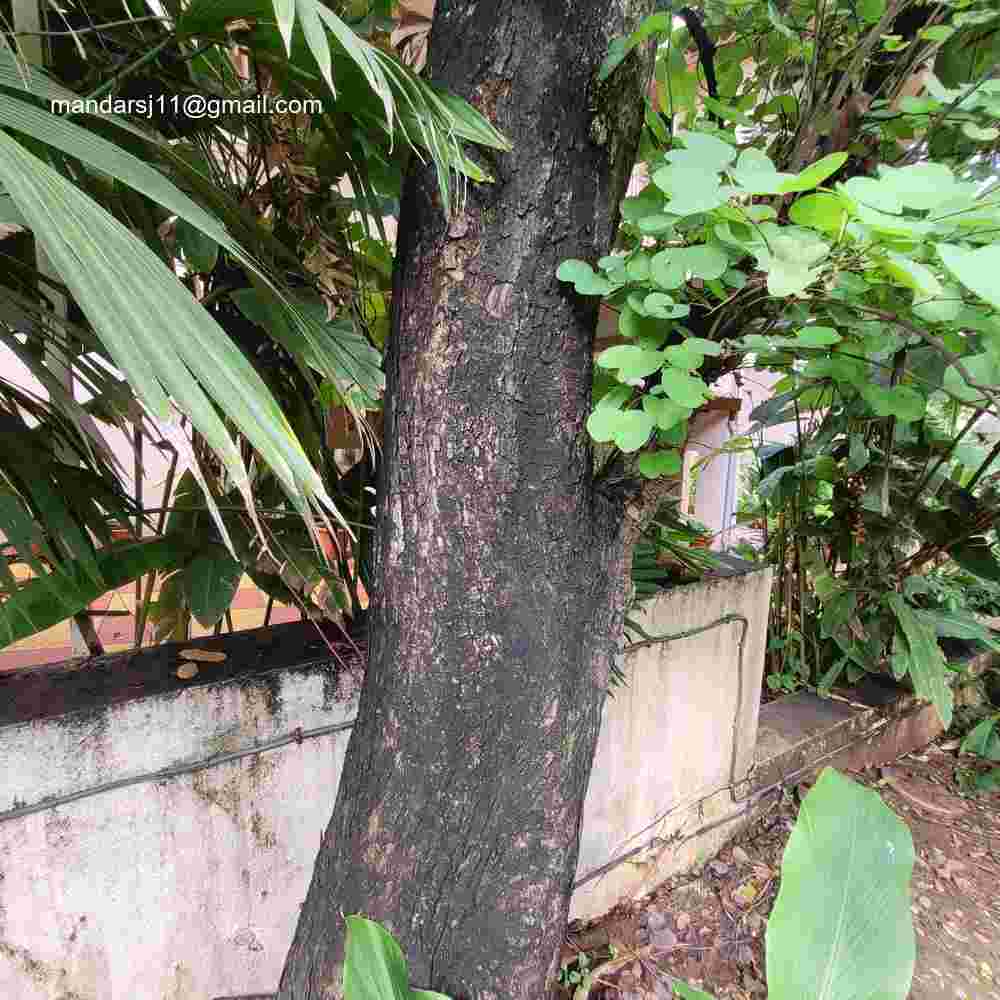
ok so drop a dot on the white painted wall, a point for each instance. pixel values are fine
(188, 887)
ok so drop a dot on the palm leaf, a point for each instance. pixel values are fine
(159, 337)
(357, 74)
(35, 606)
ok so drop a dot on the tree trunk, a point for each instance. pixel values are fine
(500, 570)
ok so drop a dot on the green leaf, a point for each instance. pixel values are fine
(958, 624)
(727, 112)
(683, 389)
(670, 268)
(942, 308)
(786, 277)
(374, 965)
(691, 189)
(902, 401)
(983, 369)
(632, 430)
(158, 336)
(665, 412)
(653, 464)
(983, 740)
(756, 173)
(873, 193)
(978, 134)
(922, 658)
(615, 398)
(789, 259)
(617, 51)
(76, 141)
(9, 215)
(210, 582)
(605, 419)
(827, 586)
(913, 275)
(601, 424)
(333, 348)
(710, 348)
(776, 410)
(583, 278)
(921, 185)
(649, 201)
(825, 468)
(871, 10)
(988, 781)
(841, 925)
(200, 251)
(684, 356)
(815, 174)
(666, 270)
(35, 606)
(657, 225)
(976, 556)
(664, 307)
(701, 152)
(976, 269)
(818, 336)
(637, 267)
(774, 16)
(631, 362)
(937, 33)
(674, 437)
(705, 261)
(858, 456)
(284, 13)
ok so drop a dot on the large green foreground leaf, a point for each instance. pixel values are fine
(918, 654)
(841, 926)
(374, 966)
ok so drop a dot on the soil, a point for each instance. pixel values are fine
(707, 928)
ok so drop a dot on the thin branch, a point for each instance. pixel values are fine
(915, 149)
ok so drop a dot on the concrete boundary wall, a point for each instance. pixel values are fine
(157, 836)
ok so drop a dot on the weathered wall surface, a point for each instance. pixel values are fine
(674, 740)
(187, 887)
(184, 888)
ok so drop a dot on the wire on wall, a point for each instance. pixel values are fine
(53, 802)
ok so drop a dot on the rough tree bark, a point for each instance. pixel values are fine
(500, 569)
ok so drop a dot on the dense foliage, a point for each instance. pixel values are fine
(867, 277)
(273, 221)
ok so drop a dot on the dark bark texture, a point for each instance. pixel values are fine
(500, 570)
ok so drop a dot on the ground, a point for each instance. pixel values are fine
(707, 928)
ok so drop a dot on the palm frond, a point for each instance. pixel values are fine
(159, 337)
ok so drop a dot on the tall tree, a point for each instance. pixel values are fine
(500, 567)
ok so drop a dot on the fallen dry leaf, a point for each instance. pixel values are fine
(203, 655)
